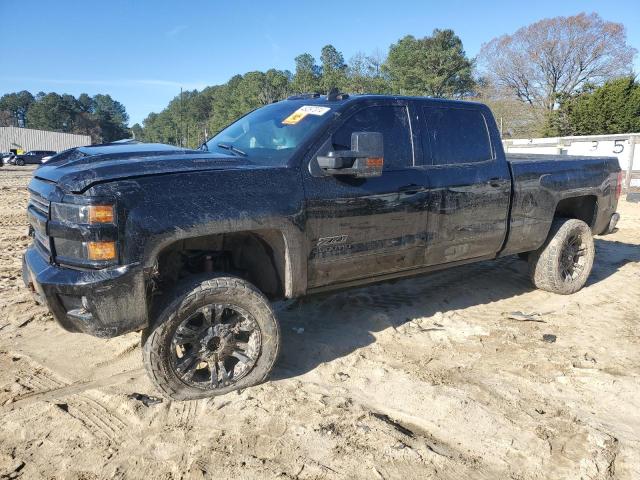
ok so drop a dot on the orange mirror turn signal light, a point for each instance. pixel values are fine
(101, 214)
(101, 250)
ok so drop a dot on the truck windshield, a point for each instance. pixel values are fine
(271, 134)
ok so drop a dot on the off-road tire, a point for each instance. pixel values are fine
(156, 348)
(545, 264)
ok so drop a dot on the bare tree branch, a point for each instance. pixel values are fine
(554, 57)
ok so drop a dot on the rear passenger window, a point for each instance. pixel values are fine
(457, 135)
(392, 122)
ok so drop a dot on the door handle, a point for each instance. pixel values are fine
(495, 182)
(410, 189)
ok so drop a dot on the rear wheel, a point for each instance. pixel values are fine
(564, 262)
(219, 336)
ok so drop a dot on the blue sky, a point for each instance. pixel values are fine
(142, 52)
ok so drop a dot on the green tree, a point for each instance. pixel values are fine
(364, 74)
(6, 119)
(333, 69)
(151, 129)
(612, 108)
(85, 103)
(102, 117)
(436, 66)
(86, 124)
(276, 86)
(307, 74)
(17, 105)
(137, 131)
(112, 117)
(51, 111)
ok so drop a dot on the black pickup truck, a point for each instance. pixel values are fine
(309, 194)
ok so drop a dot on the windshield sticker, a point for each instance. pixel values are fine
(314, 109)
(302, 112)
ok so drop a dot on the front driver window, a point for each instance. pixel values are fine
(392, 122)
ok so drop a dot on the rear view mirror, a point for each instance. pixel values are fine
(365, 159)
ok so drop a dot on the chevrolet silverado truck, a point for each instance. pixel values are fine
(310, 194)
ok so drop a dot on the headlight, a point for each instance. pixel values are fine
(85, 214)
(70, 250)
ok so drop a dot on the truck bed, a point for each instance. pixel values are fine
(540, 182)
(545, 157)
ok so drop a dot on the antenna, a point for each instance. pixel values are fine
(181, 121)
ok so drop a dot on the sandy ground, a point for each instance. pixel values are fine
(421, 378)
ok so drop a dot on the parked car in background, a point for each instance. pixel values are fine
(6, 157)
(33, 156)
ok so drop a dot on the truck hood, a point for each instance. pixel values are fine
(77, 169)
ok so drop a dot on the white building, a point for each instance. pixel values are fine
(18, 140)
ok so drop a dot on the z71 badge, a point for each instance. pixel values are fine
(324, 241)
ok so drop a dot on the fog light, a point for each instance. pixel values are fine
(101, 250)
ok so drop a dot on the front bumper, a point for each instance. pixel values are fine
(103, 303)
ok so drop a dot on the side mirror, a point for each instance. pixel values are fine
(365, 159)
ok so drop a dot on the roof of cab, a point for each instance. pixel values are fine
(315, 99)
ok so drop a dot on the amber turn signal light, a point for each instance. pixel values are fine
(101, 214)
(376, 162)
(101, 250)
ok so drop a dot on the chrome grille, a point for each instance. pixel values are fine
(42, 241)
(40, 205)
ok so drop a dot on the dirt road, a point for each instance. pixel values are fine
(436, 377)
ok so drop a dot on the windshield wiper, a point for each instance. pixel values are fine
(228, 146)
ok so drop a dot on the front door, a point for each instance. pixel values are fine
(362, 227)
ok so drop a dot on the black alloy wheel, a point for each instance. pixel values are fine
(572, 258)
(216, 346)
(210, 337)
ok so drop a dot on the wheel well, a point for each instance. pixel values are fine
(259, 257)
(582, 208)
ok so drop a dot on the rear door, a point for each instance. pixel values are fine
(470, 184)
(362, 227)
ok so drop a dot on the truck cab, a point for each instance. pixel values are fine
(447, 187)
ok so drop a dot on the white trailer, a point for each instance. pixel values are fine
(622, 146)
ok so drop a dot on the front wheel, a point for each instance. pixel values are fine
(219, 335)
(563, 263)
(20, 162)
